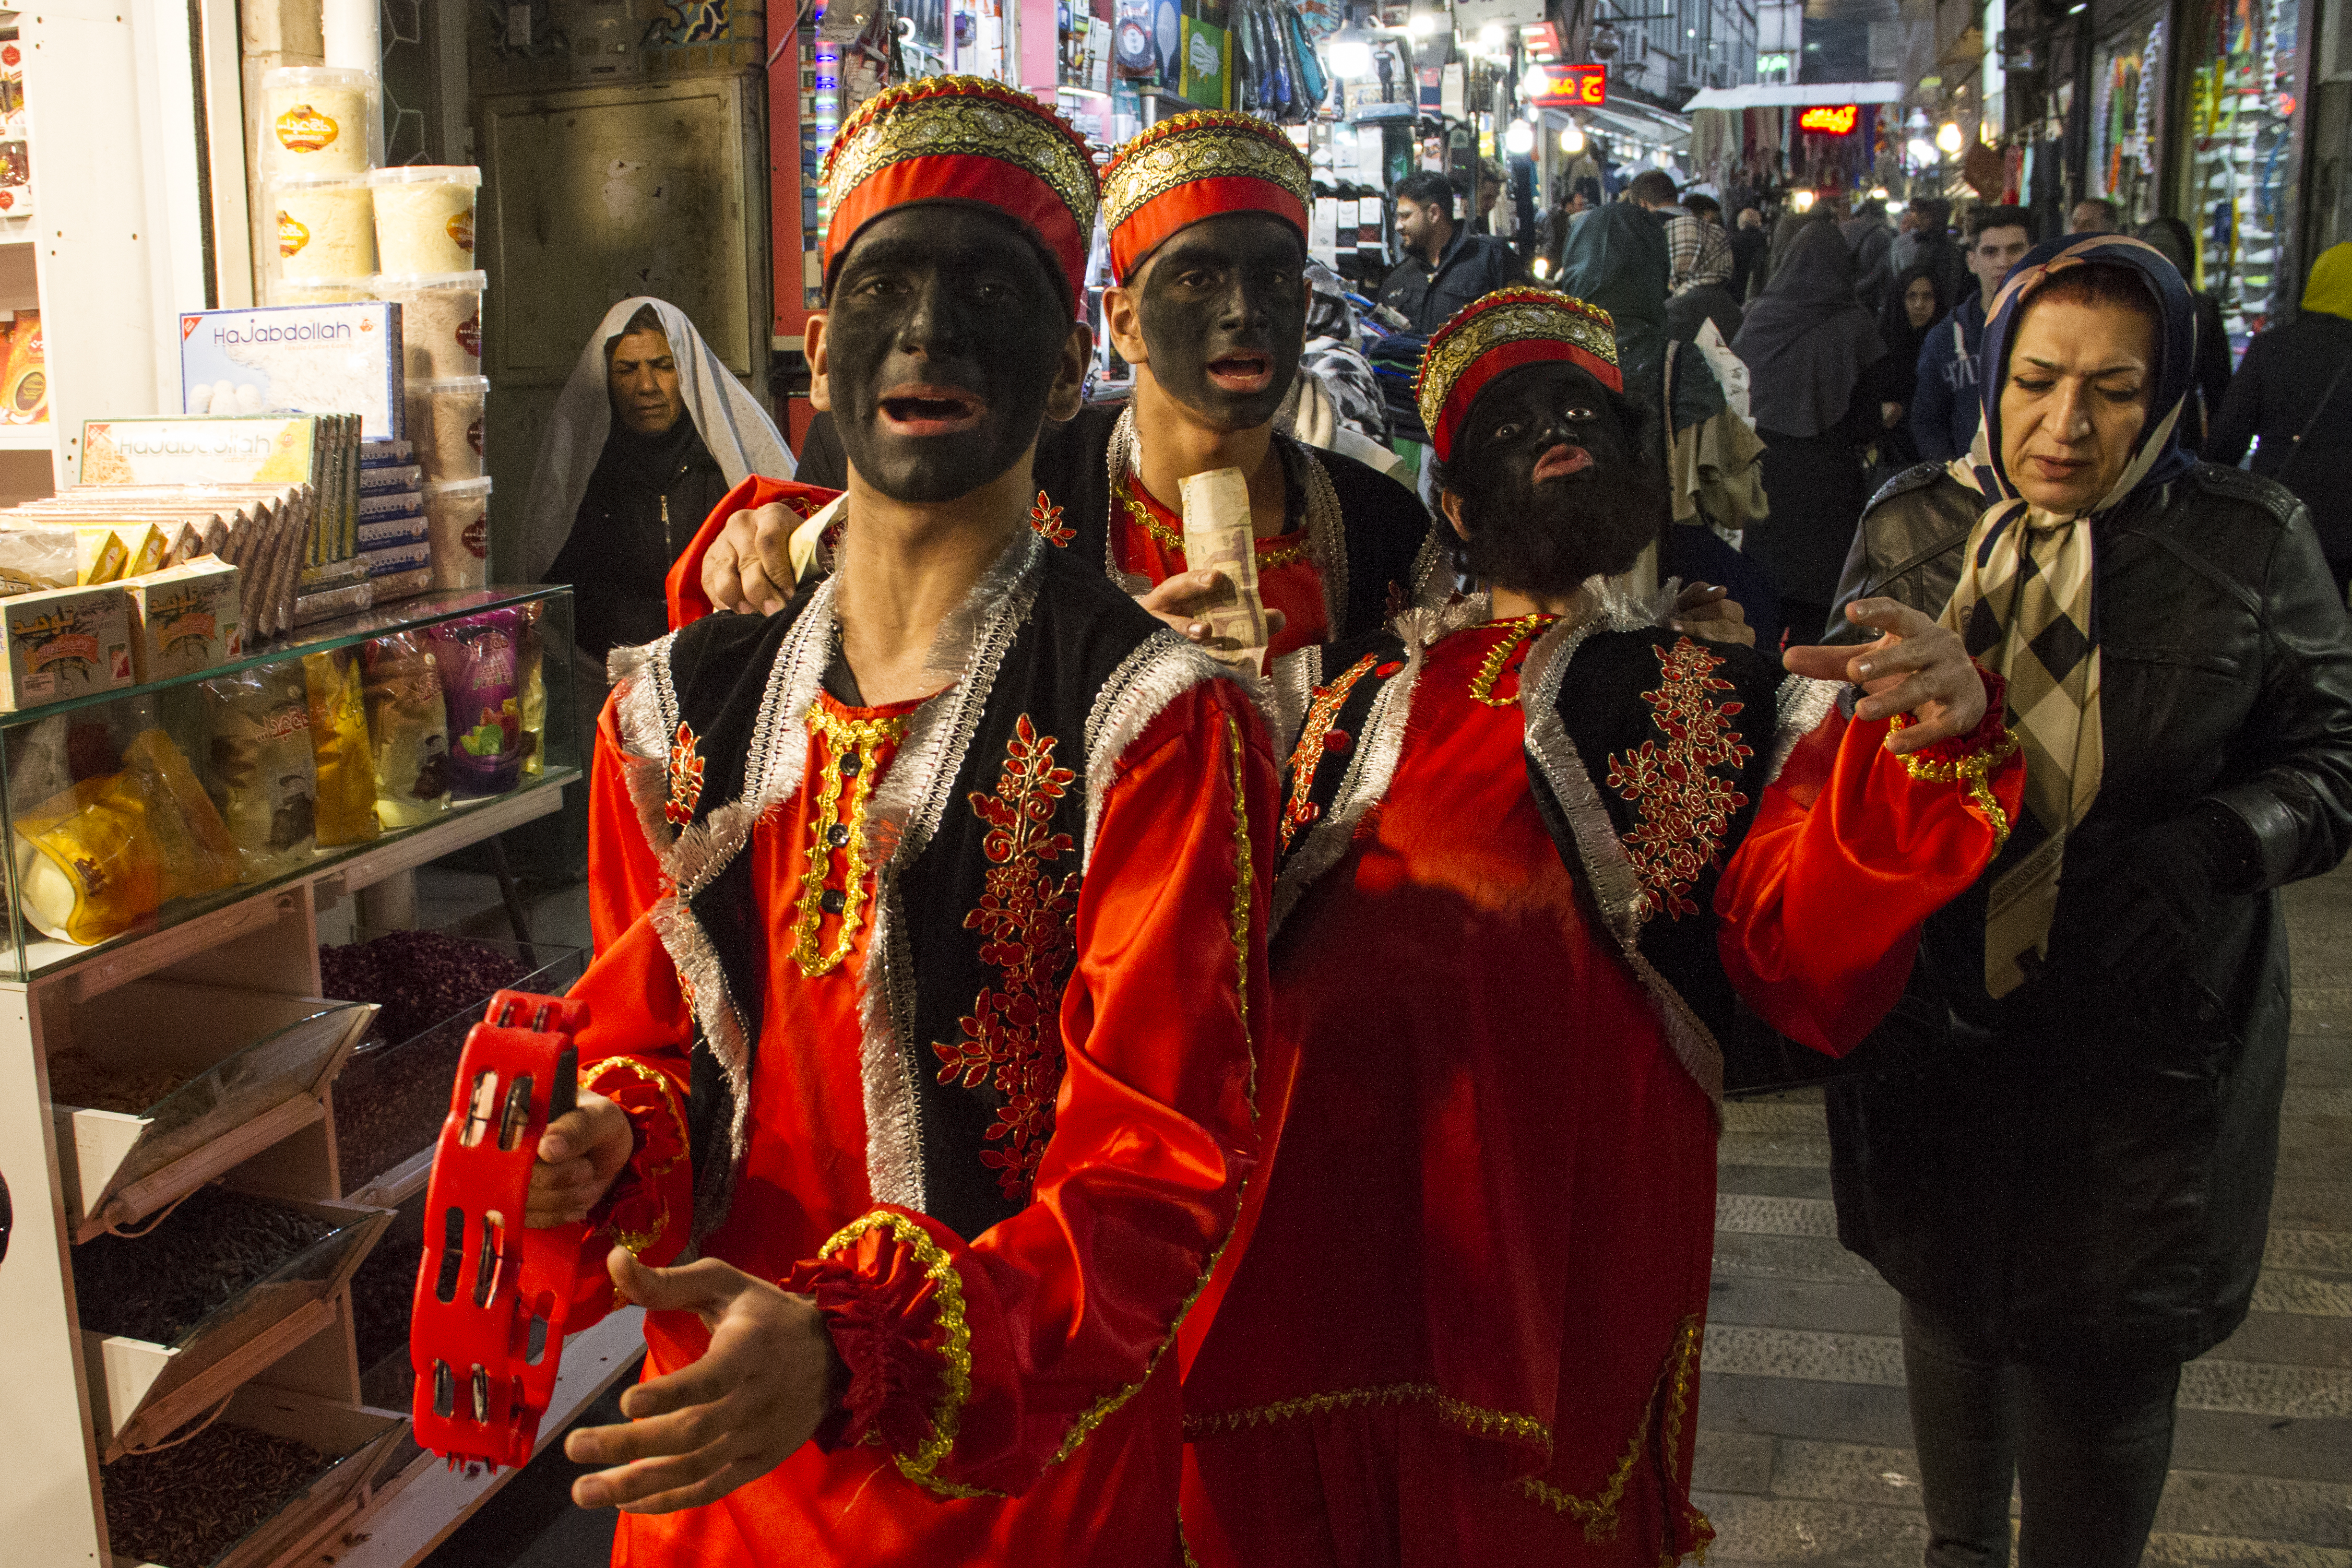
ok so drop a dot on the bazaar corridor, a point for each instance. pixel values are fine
(1804, 1449)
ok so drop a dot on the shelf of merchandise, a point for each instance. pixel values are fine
(257, 938)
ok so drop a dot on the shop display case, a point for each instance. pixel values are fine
(111, 851)
(191, 1056)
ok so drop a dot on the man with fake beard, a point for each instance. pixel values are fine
(917, 864)
(1207, 213)
(1533, 849)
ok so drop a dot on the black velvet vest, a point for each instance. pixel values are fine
(978, 833)
(1647, 753)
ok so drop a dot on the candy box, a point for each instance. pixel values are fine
(184, 618)
(64, 643)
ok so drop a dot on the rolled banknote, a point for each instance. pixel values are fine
(1218, 538)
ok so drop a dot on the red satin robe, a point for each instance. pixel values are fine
(1029, 1361)
(1466, 1328)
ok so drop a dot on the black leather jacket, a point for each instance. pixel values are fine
(2087, 1169)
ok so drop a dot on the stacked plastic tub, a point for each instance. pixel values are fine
(349, 231)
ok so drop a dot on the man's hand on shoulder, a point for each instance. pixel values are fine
(1915, 666)
(756, 1395)
(748, 568)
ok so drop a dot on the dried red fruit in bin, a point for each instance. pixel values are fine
(487, 1333)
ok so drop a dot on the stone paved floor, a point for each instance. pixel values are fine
(1804, 1447)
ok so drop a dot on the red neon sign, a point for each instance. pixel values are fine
(1831, 119)
(1571, 86)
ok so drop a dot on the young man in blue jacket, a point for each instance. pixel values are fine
(1944, 410)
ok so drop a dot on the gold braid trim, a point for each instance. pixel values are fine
(636, 1241)
(1969, 772)
(1475, 1419)
(1102, 1409)
(1490, 669)
(1161, 533)
(863, 739)
(1599, 1511)
(940, 1270)
(1506, 316)
(1203, 144)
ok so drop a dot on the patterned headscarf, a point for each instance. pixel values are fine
(2023, 603)
(965, 138)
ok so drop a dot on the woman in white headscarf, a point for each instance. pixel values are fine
(647, 437)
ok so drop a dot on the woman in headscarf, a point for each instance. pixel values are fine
(647, 435)
(1616, 259)
(1701, 293)
(1807, 344)
(2294, 392)
(1912, 306)
(2070, 1185)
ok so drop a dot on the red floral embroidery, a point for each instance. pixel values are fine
(1012, 1040)
(1322, 713)
(684, 778)
(1682, 811)
(1046, 519)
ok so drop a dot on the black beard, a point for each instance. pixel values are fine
(1547, 539)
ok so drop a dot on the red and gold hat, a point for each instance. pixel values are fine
(1195, 166)
(965, 138)
(1500, 331)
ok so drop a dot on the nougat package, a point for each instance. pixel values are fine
(87, 868)
(408, 725)
(194, 850)
(339, 745)
(481, 659)
(259, 767)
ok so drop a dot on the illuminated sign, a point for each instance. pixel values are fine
(1830, 119)
(1571, 87)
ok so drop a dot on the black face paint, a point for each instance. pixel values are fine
(943, 337)
(1224, 313)
(1555, 488)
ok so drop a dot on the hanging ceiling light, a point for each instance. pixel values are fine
(1535, 84)
(1491, 37)
(1950, 138)
(1604, 43)
(1519, 139)
(1352, 50)
(1571, 138)
(1422, 24)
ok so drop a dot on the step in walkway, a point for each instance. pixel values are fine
(1804, 1445)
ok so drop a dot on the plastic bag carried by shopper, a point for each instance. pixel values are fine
(259, 767)
(339, 746)
(408, 724)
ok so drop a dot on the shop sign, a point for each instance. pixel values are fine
(1571, 86)
(1830, 119)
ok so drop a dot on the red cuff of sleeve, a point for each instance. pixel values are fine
(1969, 760)
(638, 1212)
(894, 1307)
(1989, 737)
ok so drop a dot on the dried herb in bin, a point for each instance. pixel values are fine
(158, 1285)
(184, 1506)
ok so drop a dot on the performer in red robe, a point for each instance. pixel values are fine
(1534, 850)
(1207, 213)
(920, 868)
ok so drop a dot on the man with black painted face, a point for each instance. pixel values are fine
(1207, 213)
(1505, 1190)
(910, 870)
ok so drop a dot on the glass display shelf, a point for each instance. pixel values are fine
(105, 796)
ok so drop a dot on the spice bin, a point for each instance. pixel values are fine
(244, 1070)
(256, 1275)
(393, 1094)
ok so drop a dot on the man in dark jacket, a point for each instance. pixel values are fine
(1871, 240)
(2293, 391)
(1944, 411)
(1748, 244)
(1445, 266)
